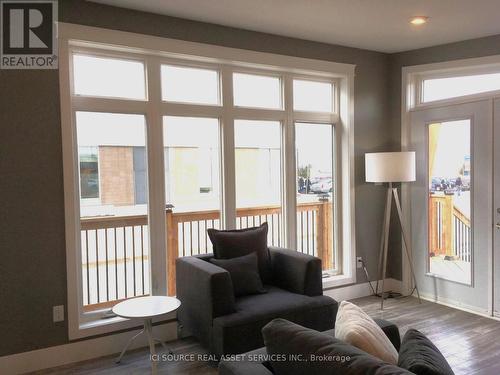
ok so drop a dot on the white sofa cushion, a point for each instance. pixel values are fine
(355, 327)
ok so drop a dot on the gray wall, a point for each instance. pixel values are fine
(32, 260)
(453, 51)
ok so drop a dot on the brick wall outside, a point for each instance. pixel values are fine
(116, 175)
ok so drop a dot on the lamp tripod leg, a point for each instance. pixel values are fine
(406, 241)
(388, 206)
(381, 252)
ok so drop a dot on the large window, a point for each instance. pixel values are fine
(114, 243)
(316, 181)
(167, 147)
(192, 185)
(258, 176)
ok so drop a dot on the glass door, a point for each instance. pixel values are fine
(451, 204)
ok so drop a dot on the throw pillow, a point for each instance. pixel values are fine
(420, 356)
(229, 244)
(244, 273)
(296, 350)
(355, 327)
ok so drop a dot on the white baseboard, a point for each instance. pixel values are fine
(457, 305)
(93, 348)
(80, 351)
(361, 290)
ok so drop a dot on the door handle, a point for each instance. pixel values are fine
(497, 225)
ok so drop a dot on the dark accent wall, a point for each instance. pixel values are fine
(32, 243)
(473, 48)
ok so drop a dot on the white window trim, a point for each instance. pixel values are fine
(415, 75)
(153, 50)
(411, 100)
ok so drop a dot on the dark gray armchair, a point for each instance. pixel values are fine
(229, 325)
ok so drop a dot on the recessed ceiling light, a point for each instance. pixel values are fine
(419, 20)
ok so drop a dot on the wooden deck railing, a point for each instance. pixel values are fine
(449, 229)
(115, 253)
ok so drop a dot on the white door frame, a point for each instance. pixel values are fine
(412, 77)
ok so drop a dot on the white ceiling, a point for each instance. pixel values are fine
(380, 25)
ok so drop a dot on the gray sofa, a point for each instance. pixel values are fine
(229, 325)
(250, 363)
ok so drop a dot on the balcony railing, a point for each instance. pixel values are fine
(449, 229)
(115, 250)
(115, 254)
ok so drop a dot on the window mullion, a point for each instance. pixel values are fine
(108, 105)
(228, 158)
(190, 110)
(156, 182)
(289, 170)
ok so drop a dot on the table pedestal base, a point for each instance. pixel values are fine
(148, 330)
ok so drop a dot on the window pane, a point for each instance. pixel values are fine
(192, 185)
(89, 172)
(256, 91)
(450, 233)
(315, 191)
(189, 85)
(258, 176)
(312, 96)
(113, 206)
(444, 88)
(192, 165)
(106, 77)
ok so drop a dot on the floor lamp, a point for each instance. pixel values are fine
(390, 167)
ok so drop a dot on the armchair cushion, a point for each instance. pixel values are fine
(244, 273)
(254, 311)
(296, 272)
(229, 244)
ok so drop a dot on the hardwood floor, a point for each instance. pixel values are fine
(470, 343)
(137, 362)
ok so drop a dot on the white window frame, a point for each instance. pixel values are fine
(154, 51)
(414, 76)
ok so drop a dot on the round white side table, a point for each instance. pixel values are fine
(146, 308)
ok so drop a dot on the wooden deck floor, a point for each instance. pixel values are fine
(470, 343)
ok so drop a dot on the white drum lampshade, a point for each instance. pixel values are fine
(390, 167)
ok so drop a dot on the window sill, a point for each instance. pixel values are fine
(98, 326)
(334, 281)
